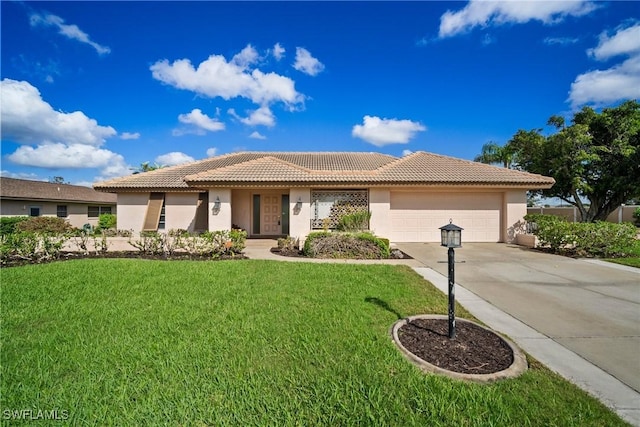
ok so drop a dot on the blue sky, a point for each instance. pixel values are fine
(90, 90)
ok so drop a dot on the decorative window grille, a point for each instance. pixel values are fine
(328, 206)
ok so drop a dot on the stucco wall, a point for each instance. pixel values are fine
(300, 219)
(180, 211)
(241, 202)
(132, 207)
(77, 213)
(513, 212)
(220, 219)
(380, 208)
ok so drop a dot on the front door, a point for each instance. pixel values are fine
(271, 214)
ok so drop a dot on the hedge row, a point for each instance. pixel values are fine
(597, 239)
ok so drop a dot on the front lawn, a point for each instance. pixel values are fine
(134, 342)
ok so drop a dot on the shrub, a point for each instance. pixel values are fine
(45, 224)
(30, 246)
(8, 223)
(599, 239)
(636, 216)
(324, 244)
(355, 221)
(106, 221)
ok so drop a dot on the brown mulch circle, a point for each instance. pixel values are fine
(474, 350)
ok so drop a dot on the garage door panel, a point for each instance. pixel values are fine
(417, 217)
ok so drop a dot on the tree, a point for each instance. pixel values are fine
(146, 167)
(492, 153)
(57, 180)
(595, 160)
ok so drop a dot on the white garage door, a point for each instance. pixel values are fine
(417, 217)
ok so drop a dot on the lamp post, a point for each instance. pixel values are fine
(451, 237)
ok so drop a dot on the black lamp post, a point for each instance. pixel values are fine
(451, 237)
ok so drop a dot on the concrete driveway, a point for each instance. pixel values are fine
(590, 308)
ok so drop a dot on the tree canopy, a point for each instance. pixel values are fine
(595, 160)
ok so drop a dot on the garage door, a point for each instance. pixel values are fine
(417, 217)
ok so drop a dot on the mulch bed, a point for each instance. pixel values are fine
(474, 350)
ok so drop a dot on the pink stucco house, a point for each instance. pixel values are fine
(273, 194)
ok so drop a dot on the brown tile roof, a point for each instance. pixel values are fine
(270, 168)
(23, 189)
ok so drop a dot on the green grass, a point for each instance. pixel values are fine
(633, 260)
(133, 342)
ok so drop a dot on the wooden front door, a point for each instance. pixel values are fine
(270, 214)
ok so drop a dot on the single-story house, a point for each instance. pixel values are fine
(273, 194)
(77, 204)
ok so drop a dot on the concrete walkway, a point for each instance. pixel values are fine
(580, 318)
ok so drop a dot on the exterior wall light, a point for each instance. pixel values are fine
(451, 237)
(216, 206)
(298, 206)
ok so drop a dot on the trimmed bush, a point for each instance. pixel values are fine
(8, 223)
(45, 224)
(325, 244)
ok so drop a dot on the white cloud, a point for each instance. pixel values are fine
(200, 122)
(130, 135)
(406, 153)
(560, 40)
(625, 41)
(619, 82)
(53, 139)
(278, 52)
(602, 87)
(215, 77)
(27, 119)
(380, 132)
(257, 135)
(58, 155)
(307, 63)
(262, 116)
(70, 31)
(246, 57)
(211, 152)
(174, 158)
(488, 13)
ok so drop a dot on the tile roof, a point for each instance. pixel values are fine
(255, 168)
(11, 188)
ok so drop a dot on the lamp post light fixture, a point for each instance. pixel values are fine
(451, 237)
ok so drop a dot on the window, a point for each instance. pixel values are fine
(96, 211)
(34, 210)
(161, 221)
(327, 206)
(62, 211)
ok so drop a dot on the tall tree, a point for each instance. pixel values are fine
(595, 160)
(146, 167)
(493, 153)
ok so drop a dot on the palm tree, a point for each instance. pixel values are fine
(146, 167)
(493, 153)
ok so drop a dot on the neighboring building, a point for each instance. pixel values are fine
(278, 193)
(77, 204)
